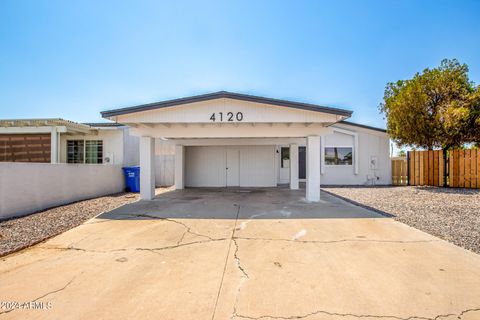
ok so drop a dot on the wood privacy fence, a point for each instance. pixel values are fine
(456, 168)
(399, 171)
(426, 168)
(464, 168)
(25, 147)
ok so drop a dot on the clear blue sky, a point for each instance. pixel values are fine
(73, 59)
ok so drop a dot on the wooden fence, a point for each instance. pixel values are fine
(25, 147)
(459, 169)
(399, 171)
(426, 168)
(464, 168)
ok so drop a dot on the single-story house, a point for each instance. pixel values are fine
(220, 139)
(226, 139)
(63, 141)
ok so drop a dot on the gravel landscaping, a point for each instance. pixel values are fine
(450, 214)
(19, 233)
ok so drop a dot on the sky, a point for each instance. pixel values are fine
(73, 59)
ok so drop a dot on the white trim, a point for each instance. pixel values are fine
(355, 145)
(44, 129)
(53, 145)
(322, 154)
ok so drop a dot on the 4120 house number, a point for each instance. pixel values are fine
(229, 116)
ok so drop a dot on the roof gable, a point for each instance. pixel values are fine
(230, 95)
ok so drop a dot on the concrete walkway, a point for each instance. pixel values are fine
(242, 254)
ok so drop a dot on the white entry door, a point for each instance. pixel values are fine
(233, 167)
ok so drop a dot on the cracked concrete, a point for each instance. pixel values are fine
(222, 254)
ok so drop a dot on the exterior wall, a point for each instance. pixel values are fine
(131, 149)
(113, 145)
(201, 112)
(371, 143)
(29, 187)
(164, 163)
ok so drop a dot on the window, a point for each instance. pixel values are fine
(338, 155)
(285, 153)
(93, 151)
(75, 151)
(84, 151)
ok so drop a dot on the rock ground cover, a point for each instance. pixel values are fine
(450, 214)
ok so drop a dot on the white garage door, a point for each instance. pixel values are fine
(232, 166)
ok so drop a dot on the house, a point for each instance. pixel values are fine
(220, 139)
(63, 141)
(226, 139)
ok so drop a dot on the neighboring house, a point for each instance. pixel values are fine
(63, 141)
(227, 139)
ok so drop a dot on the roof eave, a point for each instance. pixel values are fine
(222, 94)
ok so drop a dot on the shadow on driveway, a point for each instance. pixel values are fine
(241, 203)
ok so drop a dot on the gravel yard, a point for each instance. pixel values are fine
(450, 214)
(19, 233)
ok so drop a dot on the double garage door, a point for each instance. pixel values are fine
(230, 166)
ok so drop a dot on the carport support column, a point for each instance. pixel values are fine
(313, 168)
(179, 167)
(147, 168)
(294, 166)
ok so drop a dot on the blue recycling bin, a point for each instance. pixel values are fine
(132, 178)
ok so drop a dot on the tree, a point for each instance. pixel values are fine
(438, 108)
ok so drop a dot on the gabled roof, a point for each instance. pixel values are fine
(103, 124)
(362, 126)
(230, 95)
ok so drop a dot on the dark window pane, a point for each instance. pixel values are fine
(285, 152)
(338, 156)
(75, 151)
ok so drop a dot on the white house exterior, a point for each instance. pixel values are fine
(215, 140)
(226, 139)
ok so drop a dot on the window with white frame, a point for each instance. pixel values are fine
(85, 151)
(338, 155)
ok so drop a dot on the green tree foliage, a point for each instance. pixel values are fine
(438, 108)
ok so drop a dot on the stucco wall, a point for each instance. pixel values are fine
(131, 149)
(371, 143)
(164, 163)
(113, 142)
(29, 187)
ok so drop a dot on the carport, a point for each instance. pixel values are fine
(227, 139)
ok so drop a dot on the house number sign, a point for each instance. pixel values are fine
(229, 116)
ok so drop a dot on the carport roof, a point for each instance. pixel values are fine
(230, 95)
(70, 126)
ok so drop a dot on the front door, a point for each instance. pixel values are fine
(302, 162)
(233, 167)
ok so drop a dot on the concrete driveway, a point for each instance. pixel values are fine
(242, 254)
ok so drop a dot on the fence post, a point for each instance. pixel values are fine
(408, 169)
(446, 165)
